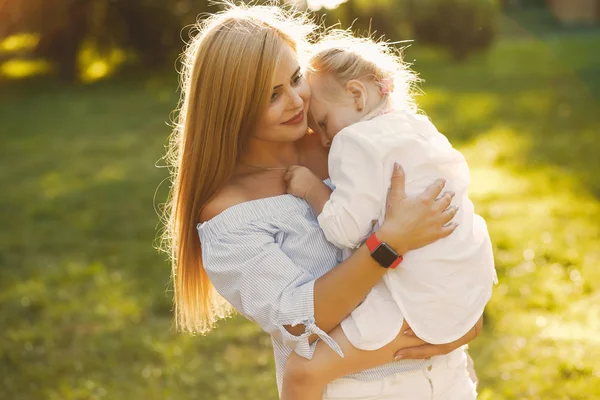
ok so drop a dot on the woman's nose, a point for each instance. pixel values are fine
(296, 99)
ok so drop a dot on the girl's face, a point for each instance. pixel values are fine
(332, 107)
(286, 117)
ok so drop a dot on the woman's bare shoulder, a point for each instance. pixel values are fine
(229, 196)
(241, 188)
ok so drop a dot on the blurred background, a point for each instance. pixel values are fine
(87, 88)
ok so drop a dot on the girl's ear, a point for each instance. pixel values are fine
(359, 93)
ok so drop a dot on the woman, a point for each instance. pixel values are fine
(242, 123)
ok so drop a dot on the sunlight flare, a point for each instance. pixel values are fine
(19, 69)
(19, 42)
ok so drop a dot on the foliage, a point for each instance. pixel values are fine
(86, 310)
(151, 29)
(373, 16)
(61, 23)
(461, 26)
(525, 3)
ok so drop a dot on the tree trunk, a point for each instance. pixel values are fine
(61, 42)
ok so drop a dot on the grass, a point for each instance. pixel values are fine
(86, 309)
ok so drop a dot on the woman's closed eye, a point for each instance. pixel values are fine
(297, 79)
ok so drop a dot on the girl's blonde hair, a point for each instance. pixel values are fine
(226, 82)
(347, 57)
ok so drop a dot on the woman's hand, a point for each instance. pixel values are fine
(412, 222)
(428, 350)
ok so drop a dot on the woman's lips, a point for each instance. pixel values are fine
(296, 119)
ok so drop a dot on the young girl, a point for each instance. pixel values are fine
(362, 107)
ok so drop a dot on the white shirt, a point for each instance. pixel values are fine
(441, 289)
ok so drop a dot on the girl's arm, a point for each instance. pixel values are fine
(302, 182)
(361, 181)
(318, 196)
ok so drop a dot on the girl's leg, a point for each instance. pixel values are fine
(471, 369)
(305, 379)
(450, 377)
(443, 378)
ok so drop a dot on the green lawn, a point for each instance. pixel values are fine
(84, 298)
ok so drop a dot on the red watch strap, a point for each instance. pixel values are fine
(373, 242)
(397, 262)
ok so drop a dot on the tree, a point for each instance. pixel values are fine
(149, 28)
(461, 26)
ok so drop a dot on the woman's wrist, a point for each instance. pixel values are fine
(397, 243)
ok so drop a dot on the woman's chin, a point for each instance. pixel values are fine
(296, 132)
(301, 134)
(285, 133)
(301, 131)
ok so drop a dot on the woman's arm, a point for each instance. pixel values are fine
(410, 223)
(428, 350)
(306, 379)
(249, 269)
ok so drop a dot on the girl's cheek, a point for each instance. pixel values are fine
(332, 126)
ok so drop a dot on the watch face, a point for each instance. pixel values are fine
(384, 255)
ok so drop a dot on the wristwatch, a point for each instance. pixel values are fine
(383, 253)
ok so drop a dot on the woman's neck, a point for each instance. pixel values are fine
(266, 154)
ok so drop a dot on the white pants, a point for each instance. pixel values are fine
(444, 378)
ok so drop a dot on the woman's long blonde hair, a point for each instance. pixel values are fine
(226, 83)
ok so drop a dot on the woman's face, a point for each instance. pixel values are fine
(286, 115)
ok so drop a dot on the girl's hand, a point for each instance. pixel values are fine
(300, 180)
(428, 350)
(416, 221)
